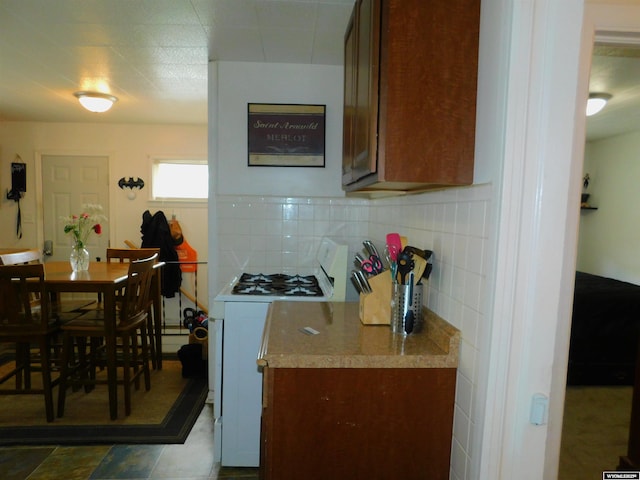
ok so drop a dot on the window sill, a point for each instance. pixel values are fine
(182, 202)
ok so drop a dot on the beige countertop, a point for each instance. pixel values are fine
(342, 341)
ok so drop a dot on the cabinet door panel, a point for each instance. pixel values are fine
(349, 101)
(358, 424)
(428, 117)
(366, 111)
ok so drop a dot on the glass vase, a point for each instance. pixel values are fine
(79, 259)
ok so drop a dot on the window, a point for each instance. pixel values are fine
(181, 179)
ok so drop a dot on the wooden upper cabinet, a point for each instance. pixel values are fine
(410, 95)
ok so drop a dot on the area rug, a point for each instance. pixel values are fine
(163, 415)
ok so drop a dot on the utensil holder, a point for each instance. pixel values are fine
(406, 309)
(375, 307)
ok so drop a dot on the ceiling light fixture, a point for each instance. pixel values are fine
(596, 102)
(96, 101)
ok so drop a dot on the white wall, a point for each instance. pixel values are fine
(609, 236)
(242, 83)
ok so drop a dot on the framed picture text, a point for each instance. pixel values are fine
(283, 135)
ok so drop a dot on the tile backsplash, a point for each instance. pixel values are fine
(281, 234)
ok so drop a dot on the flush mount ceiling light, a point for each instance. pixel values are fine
(596, 102)
(96, 101)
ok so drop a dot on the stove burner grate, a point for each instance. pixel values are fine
(278, 284)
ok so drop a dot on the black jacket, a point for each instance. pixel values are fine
(156, 234)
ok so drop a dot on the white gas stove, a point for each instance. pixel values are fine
(238, 314)
(327, 282)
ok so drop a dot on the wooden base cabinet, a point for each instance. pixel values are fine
(369, 423)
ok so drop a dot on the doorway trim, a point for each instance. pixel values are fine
(38, 179)
(603, 21)
(609, 21)
(536, 235)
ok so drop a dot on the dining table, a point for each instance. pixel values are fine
(106, 279)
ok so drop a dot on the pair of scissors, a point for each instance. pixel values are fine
(372, 266)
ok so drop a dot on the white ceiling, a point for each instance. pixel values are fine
(616, 70)
(153, 55)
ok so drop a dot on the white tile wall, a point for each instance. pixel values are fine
(282, 234)
(273, 234)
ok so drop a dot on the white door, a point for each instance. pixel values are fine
(68, 182)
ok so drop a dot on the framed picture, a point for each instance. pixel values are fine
(283, 135)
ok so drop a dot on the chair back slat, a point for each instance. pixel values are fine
(137, 294)
(21, 292)
(21, 257)
(123, 255)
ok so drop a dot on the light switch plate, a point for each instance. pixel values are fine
(539, 409)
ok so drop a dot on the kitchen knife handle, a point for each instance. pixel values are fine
(371, 248)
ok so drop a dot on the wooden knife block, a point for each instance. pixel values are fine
(375, 307)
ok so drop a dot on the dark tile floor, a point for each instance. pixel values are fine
(192, 460)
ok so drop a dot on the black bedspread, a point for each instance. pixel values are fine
(605, 330)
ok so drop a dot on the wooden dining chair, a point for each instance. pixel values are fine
(21, 257)
(125, 255)
(61, 309)
(25, 320)
(58, 310)
(131, 327)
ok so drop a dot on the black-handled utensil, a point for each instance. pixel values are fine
(409, 319)
(405, 266)
(427, 270)
(409, 322)
(426, 254)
